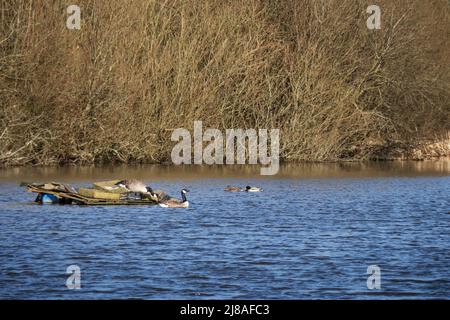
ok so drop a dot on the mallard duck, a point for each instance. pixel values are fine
(233, 189)
(253, 189)
(169, 202)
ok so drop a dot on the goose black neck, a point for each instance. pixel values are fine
(183, 196)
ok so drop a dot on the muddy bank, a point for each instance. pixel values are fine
(423, 150)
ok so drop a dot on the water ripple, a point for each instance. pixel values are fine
(309, 238)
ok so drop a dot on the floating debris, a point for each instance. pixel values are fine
(102, 193)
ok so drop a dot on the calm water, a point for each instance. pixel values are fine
(312, 233)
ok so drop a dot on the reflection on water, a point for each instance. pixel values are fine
(312, 233)
(287, 171)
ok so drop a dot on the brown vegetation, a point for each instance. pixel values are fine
(113, 90)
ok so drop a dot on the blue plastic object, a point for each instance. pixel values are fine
(49, 198)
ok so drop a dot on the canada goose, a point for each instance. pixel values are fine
(157, 195)
(169, 202)
(154, 195)
(253, 189)
(133, 185)
(233, 189)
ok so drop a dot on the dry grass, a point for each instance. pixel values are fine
(113, 90)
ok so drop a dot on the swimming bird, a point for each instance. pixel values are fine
(169, 202)
(253, 189)
(233, 189)
(133, 185)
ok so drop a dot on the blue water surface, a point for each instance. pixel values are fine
(298, 239)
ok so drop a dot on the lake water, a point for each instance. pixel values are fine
(312, 233)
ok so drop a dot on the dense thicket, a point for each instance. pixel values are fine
(115, 89)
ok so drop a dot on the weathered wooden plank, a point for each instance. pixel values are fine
(84, 200)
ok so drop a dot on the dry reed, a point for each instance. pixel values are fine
(113, 90)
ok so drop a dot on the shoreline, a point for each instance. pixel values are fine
(426, 150)
(420, 151)
(415, 156)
